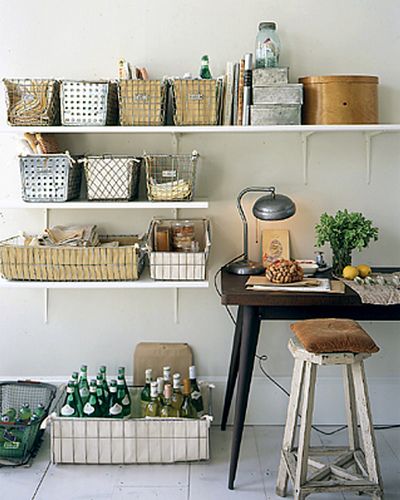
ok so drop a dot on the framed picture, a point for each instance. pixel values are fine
(275, 245)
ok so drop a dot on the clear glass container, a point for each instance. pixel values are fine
(268, 46)
(183, 236)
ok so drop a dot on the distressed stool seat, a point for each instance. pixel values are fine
(329, 342)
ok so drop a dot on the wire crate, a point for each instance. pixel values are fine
(85, 103)
(142, 102)
(50, 177)
(112, 177)
(103, 263)
(196, 102)
(19, 441)
(132, 440)
(171, 177)
(32, 102)
(170, 260)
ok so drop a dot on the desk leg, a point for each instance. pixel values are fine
(248, 346)
(233, 368)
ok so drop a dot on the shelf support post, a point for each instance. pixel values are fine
(304, 146)
(46, 306)
(367, 137)
(46, 217)
(176, 136)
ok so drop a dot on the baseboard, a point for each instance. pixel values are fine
(268, 404)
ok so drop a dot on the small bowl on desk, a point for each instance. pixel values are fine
(309, 266)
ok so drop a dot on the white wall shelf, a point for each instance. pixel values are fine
(203, 129)
(11, 203)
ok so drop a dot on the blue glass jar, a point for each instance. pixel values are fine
(268, 46)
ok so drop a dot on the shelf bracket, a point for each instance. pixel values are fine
(304, 147)
(176, 306)
(367, 137)
(46, 306)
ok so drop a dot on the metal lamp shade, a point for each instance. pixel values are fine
(274, 207)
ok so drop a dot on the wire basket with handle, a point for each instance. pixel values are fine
(112, 177)
(50, 177)
(32, 102)
(142, 102)
(171, 177)
(19, 440)
(86, 103)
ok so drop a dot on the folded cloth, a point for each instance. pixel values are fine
(77, 236)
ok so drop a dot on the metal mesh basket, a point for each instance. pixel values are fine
(196, 102)
(111, 177)
(171, 177)
(18, 441)
(32, 102)
(88, 103)
(50, 178)
(142, 102)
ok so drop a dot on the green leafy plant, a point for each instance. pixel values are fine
(346, 231)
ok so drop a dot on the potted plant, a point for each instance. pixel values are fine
(346, 231)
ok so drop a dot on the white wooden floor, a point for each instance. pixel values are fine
(201, 481)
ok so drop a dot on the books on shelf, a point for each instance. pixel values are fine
(234, 93)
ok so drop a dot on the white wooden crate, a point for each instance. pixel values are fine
(131, 441)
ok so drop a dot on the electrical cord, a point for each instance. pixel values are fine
(263, 358)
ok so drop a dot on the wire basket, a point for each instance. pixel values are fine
(196, 102)
(142, 102)
(103, 263)
(85, 103)
(171, 177)
(111, 177)
(18, 441)
(50, 178)
(32, 102)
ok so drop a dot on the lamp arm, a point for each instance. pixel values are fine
(252, 189)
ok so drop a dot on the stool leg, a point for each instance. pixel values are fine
(310, 373)
(291, 423)
(351, 409)
(366, 426)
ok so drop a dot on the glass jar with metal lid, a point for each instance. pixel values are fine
(268, 46)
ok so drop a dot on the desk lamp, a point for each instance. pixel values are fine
(270, 207)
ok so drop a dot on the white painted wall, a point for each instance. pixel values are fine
(78, 39)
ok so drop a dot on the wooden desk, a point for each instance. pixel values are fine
(255, 306)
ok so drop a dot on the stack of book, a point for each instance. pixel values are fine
(233, 108)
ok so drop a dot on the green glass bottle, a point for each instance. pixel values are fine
(160, 390)
(39, 413)
(153, 407)
(9, 416)
(197, 398)
(92, 408)
(24, 414)
(168, 411)
(205, 72)
(121, 373)
(123, 396)
(69, 408)
(145, 394)
(115, 409)
(84, 385)
(187, 410)
(177, 398)
(103, 373)
(101, 397)
(77, 396)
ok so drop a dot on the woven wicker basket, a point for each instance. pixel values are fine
(142, 102)
(32, 102)
(123, 263)
(196, 102)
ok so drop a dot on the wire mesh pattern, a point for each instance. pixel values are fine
(50, 178)
(122, 263)
(32, 102)
(132, 441)
(88, 103)
(171, 177)
(142, 102)
(110, 177)
(18, 440)
(196, 102)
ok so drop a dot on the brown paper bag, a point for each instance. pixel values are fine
(155, 355)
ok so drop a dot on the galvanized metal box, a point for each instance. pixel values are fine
(278, 94)
(275, 114)
(270, 76)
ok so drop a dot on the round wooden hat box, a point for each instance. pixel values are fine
(339, 100)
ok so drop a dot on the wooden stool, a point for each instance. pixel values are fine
(307, 474)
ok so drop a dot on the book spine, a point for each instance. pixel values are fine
(228, 94)
(247, 90)
(240, 93)
(235, 93)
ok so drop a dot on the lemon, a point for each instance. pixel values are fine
(350, 272)
(364, 270)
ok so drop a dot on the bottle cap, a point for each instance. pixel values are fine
(148, 374)
(103, 369)
(192, 372)
(269, 25)
(186, 386)
(167, 391)
(160, 385)
(84, 368)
